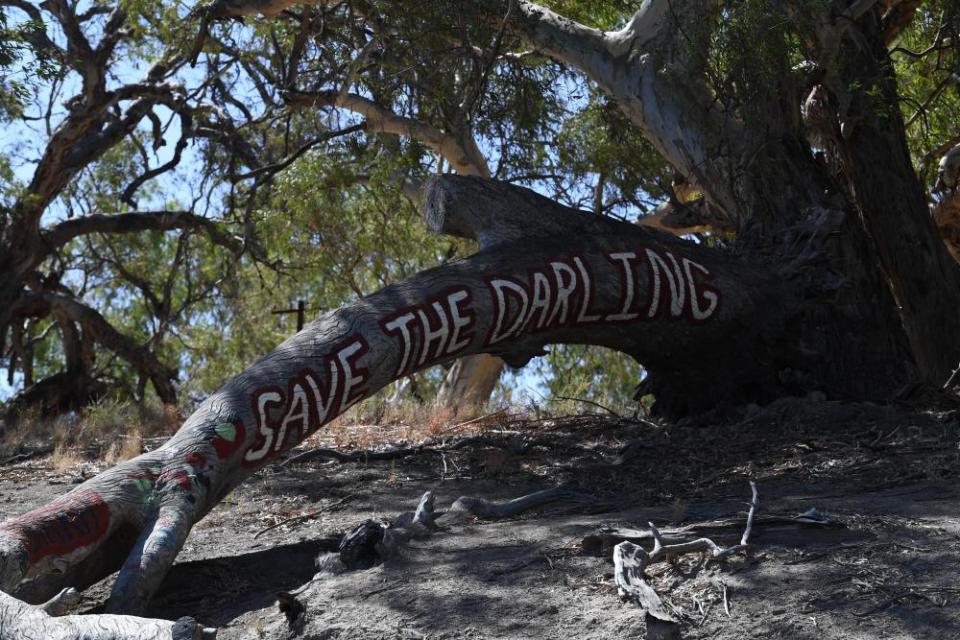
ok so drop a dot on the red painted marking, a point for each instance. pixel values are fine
(69, 523)
(196, 460)
(177, 476)
(224, 447)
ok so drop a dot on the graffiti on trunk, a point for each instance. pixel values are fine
(563, 293)
(72, 522)
(312, 399)
(439, 328)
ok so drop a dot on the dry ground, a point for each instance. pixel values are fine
(886, 480)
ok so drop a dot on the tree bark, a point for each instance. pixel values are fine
(923, 276)
(545, 274)
(20, 621)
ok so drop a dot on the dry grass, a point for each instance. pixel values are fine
(129, 447)
(376, 425)
(65, 459)
(110, 431)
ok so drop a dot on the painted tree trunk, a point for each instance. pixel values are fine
(569, 278)
(20, 621)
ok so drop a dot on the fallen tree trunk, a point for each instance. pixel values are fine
(21, 621)
(545, 274)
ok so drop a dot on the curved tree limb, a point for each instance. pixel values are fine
(105, 334)
(135, 222)
(579, 279)
(461, 151)
(648, 68)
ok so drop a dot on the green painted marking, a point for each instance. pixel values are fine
(227, 431)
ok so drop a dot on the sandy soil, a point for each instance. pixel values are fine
(885, 566)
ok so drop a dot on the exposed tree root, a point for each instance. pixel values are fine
(372, 541)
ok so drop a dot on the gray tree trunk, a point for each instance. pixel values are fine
(571, 277)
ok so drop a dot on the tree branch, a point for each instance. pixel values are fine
(106, 335)
(286, 162)
(460, 151)
(185, 127)
(657, 77)
(64, 232)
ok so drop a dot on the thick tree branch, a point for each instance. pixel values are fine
(38, 36)
(655, 72)
(224, 9)
(106, 335)
(461, 152)
(64, 232)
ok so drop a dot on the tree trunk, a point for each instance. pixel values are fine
(469, 384)
(891, 202)
(716, 328)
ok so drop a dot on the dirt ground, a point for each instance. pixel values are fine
(882, 563)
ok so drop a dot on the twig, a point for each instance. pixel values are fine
(591, 402)
(499, 412)
(953, 376)
(306, 516)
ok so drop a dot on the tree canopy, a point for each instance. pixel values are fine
(171, 173)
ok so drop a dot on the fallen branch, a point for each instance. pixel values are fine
(466, 506)
(788, 531)
(306, 516)
(22, 621)
(373, 541)
(630, 562)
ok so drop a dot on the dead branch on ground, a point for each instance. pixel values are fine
(631, 560)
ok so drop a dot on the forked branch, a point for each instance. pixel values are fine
(631, 560)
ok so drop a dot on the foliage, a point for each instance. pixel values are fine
(927, 60)
(326, 217)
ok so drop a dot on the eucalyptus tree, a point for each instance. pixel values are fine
(824, 270)
(217, 120)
